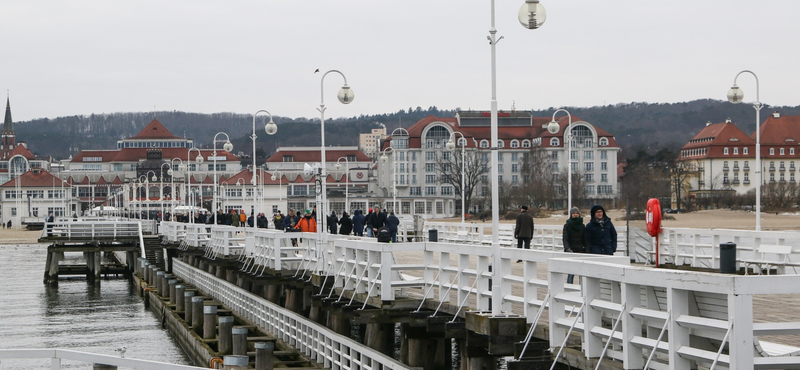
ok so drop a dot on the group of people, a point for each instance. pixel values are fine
(598, 236)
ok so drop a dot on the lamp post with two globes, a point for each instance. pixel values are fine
(270, 128)
(735, 95)
(226, 147)
(532, 16)
(346, 180)
(553, 128)
(198, 160)
(451, 145)
(384, 158)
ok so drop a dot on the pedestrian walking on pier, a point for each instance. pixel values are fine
(358, 222)
(600, 236)
(573, 236)
(523, 231)
(346, 224)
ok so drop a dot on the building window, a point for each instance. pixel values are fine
(430, 156)
(589, 189)
(603, 141)
(573, 155)
(588, 155)
(603, 154)
(447, 190)
(554, 141)
(735, 151)
(604, 177)
(430, 179)
(573, 166)
(514, 157)
(554, 166)
(288, 158)
(771, 151)
(500, 168)
(588, 166)
(526, 143)
(791, 151)
(554, 155)
(500, 144)
(415, 190)
(500, 157)
(725, 151)
(588, 177)
(430, 190)
(430, 167)
(514, 179)
(603, 166)
(514, 168)
(515, 143)
(781, 151)
(604, 189)
(446, 156)
(745, 151)
(484, 143)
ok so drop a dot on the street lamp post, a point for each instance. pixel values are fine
(553, 128)
(279, 177)
(735, 95)
(198, 160)
(172, 191)
(394, 177)
(271, 128)
(451, 145)
(346, 180)
(226, 147)
(532, 16)
(161, 198)
(147, 190)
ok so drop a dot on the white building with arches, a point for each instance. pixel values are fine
(413, 178)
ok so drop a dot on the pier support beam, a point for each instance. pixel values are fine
(239, 334)
(225, 346)
(209, 322)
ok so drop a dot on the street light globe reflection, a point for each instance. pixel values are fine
(532, 14)
(735, 95)
(553, 127)
(271, 128)
(199, 159)
(346, 95)
(227, 146)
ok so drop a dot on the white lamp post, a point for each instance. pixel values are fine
(451, 145)
(553, 128)
(198, 160)
(532, 16)
(735, 95)
(394, 180)
(345, 96)
(226, 147)
(346, 180)
(172, 192)
(279, 177)
(271, 128)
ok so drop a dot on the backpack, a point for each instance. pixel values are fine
(384, 235)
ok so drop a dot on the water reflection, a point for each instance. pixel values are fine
(75, 315)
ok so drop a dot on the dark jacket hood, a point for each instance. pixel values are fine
(595, 208)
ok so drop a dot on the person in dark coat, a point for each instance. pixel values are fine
(523, 231)
(572, 236)
(370, 222)
(392, 222)
(600, 235)
(346, 224)
(332, 222)
(358, 222)
(289, 222)
(380, 219)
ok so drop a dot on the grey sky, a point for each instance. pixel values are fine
(79, 57)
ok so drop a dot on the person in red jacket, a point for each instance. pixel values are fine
(307, 224)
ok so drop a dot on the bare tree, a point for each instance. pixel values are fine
(475, 166)
(538, 184)
(680, 176)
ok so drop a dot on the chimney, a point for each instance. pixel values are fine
(728, 120)
(776, 115)
(708, 123)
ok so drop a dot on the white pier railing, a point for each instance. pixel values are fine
(331, 350)
(708, 316)
(56, 356)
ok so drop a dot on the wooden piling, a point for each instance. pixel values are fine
(209, 322)
(239, 335)
(179, 298)
(225, 346)
(264, 352)
(197, 314)
(187, 306)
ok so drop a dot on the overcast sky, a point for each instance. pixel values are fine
(61, 58)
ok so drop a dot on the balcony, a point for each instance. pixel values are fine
(736, 168)
(746, 182)
(725, 168)
(736, 182)
(746, 168)
(772, 168)
(726, 182)
(782, 168)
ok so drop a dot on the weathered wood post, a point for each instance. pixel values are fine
(187, 305)
(264, 352)
(209, 322)
(197, 314)
(239, 340)
(225, 346)
(179, 297)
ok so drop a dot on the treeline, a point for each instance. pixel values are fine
(635, 125)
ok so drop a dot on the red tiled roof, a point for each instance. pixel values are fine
(117, 181)
(23, 151)
(31, 179)
(715, 137)
(136, 154)
(155, 130)
(780, 131)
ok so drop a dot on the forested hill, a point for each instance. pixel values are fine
(636, 124)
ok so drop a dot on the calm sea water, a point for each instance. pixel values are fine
(75, 315)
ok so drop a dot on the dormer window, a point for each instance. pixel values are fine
(526, 144)
(515, 143)
(603, 141)
(745, 151)
(735, 151)
(725, 151)
(484, 143)
(554, 141)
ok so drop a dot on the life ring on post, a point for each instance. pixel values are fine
(652, 217)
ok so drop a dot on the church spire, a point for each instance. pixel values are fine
(8, 124)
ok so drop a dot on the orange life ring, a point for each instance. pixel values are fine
(653, 217)
(214, 361)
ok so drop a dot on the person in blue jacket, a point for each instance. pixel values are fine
(392, 222)
(600, 234)
(358, 222)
